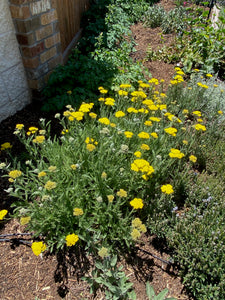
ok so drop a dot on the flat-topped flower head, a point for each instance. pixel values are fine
(167, 189)
(176, 153)
(137, 203)
(71, 239)
(38, 248)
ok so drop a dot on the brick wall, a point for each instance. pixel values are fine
(14, 91)
(37, 31)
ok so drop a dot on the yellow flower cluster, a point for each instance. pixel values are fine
(3, 213)
(167, 189)
(39, 139)
(5, 146)
(103, 252)
(137, 203)
(15, 174)
(137, 229)
(71, 239)
(122, 193)
(142, 166)
(176, 153)
(170, 130)
(38, 248)
(78, 211)
(50, 185)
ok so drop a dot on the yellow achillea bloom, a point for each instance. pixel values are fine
(209, 75)
(154, 134)
(122, 93)
(145, 147)
(199, 127)
(193, 158)
(122, 193)
(78, 211)
(185, 111)
(64, 131)
(153, 107)
(5, 146)
(93, 115)
(128, 134)
(154, 80)
(103, 91)
(167, 189)
(137, 203)
(197, 113)
(109, 101)
(155, 119)
(137, 154)
(170, 130)
(119, 114)
(104, 175)
(175, 153)
(33, 129)
(104, 121)
(125, 86)
(78, 115)
(86, 107)
(90, 147)
(71, 239)
(90, 141)
(143, 135)
(14, 174)
(143, 166)
(19, 126)
(148, 102)
(220, 112)
(50, 185)
(73, 167)
(135, 234)
(162, 106)
(148, 123)
(3, 213)
(132, 110)
(41, 174)
(103, 252)
(137, 223)
(140, 94)
(202, 85)
(39, 139)
(110, 198)
(25, 220)
(185, 142)
(38, 248)
(52, 168)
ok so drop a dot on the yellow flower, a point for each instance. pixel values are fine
(185, 111)
(154, 80)
(170, 130)
(137, 203)
(14, 174)
(167, 189)
(39, 139)
(128, 134)
(199, 120)
(42, 174)
(73, 167)
(132, 110)
(185, 142)
(122, 93)
(6, 146)
(143, 135)
(86, 107)
(200, 127)
(78, 211)
(25, 220)
(220, 112)
(93, 115)
(3, 213)
(50, 185)
(137, 154)
(136, 223)
(197, 113)
(119, 114)
(135, 234)
(78, 115)
(90, 147)
(103, 91)
(193, 158)
(154, 135)
(175, 153)
(113, 125)
(140, 94)
(33, 129)
(38, 248)
(145, 147)
(71, 239)
(104, 175)
(19, 126)
(148, 123)
(52, 168)
(155, 119)
(64, 131)
(109, 101)
(104, 121)
(143, 166)
(125, 86)
(69, 92)
(209, 75)
(103, 252)
(122, 193)
(110, 198)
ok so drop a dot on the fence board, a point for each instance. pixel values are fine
(69, 15)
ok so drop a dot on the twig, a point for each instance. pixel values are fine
(153, 255)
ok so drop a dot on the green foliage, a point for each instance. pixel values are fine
(152, 296)
(102, 55)
(110, 278)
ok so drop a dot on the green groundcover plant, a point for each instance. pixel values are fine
(121, 170)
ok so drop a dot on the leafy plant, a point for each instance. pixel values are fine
(152, 296)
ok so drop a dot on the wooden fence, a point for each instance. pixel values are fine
(69, 15)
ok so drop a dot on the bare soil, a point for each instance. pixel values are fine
(25, 276)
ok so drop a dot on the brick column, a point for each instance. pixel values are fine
(37, 32)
